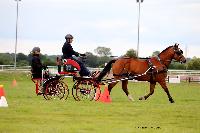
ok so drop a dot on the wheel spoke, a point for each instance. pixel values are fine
(83, 90)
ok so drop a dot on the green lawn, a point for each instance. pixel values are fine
(28, 113)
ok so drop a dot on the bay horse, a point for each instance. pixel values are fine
(153, 70)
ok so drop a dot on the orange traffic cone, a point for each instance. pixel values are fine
(3, 102)
(105, 97)
(14, 83)
(97, 94)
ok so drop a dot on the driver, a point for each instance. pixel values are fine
(68, 51)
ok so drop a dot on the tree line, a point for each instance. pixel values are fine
(103, 55)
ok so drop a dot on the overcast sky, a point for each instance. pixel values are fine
(107, 23)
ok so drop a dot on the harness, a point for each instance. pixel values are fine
(129, 77)
(158, 58)
(155, 64)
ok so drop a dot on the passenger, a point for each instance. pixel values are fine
(68, 51)
(36, 65)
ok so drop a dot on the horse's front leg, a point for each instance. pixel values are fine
(125, 89)
(110, 86)
(164, 86)
(152, 87)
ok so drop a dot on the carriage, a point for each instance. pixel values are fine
(55, 87)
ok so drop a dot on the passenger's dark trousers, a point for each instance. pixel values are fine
(84, 71)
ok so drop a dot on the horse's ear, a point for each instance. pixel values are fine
(176, 45)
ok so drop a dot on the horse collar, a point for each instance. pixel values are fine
(158, 58)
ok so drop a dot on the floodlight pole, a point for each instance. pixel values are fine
(138, 39)
(16, 37)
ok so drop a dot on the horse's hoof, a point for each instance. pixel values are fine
(130, 98)
(141, 98)
(172, 101)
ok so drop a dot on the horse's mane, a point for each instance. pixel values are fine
(166, 49)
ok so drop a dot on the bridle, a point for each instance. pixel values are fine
(177, 51)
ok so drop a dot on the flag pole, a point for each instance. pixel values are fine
(138, 39)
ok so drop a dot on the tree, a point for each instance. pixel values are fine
(21, 56)
(155, 53)
(96, 61)
(23, 63)
(194, 64)
(103, 51)
(48, 60)
(102, 60)
(177, 65)
(131, 53)
(22, 59)
(6, 59)
(91, 60)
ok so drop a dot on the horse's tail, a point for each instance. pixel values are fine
(105, 70)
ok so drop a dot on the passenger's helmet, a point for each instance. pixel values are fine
(69, 36)
(35, 49)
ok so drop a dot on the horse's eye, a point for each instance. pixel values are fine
(179, 52)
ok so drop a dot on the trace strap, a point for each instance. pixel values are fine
(109, 81)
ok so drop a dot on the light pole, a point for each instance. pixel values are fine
(16, 35)
(138, 39)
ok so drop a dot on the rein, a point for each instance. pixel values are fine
(109, 81)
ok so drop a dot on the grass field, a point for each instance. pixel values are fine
(28, 113)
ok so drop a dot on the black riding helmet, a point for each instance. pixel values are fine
(69, 36)
(35, 49)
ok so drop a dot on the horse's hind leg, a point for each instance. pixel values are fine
(152, 87)
(125, 89)
(164, 86)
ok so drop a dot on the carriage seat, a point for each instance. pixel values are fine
(69, 66)
(72, 65)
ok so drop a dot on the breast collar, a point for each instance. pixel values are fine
(158, 58)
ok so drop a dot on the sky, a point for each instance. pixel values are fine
(106, 23)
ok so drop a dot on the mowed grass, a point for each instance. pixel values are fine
(29, 113)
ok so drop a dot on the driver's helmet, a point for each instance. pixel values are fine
(69, 36)
(35, 49)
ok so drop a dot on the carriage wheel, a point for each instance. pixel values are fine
(84, 90)
(56, 89)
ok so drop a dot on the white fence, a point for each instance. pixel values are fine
(173, 75)
(52, 69)
(184, 72)
(6, 67)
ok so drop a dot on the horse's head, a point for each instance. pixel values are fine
(178, 54)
